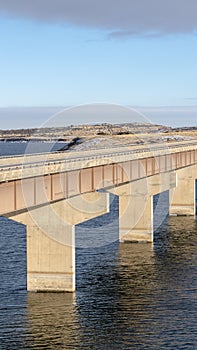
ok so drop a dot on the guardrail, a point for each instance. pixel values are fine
(116, 152)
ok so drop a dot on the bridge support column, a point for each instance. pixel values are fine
(50, 263)
(136, 206)
(182, 198)
(136, 218)
(51, 240)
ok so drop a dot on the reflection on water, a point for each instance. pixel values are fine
(129, 296)
(144, 297)
(51, 321)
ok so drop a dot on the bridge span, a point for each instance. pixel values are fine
(51, 193)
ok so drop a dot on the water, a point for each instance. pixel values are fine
(129, 296)
(13, 148)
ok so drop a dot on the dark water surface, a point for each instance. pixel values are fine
(13, 148)
(129, 296)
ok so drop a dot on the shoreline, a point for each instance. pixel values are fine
(82, 137)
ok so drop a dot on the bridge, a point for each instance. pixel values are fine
(51, 193)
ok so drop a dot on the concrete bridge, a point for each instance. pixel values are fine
(51, 193)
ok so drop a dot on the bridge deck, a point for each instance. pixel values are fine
(15, 167)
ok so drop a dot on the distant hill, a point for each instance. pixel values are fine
(65, 133)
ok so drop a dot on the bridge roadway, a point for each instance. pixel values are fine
(50, 193)
(14, 167)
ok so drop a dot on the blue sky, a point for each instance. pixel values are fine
(67, 62)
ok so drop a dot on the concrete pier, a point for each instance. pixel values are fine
(182, 197)
(51, 240)
(136, 206)
(50, 264)
(135, 219)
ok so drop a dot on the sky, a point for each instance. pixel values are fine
(59, 53)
